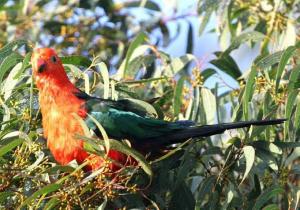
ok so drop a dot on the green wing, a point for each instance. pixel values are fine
(125, 120)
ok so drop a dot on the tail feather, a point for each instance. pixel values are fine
(209, 130)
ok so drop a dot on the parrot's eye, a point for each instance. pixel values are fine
(53, 59)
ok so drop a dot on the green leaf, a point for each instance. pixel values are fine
(45, 190)
(5, 195)
(297, 117)
(141, 107)
(25, 64)
(208, 8)
(287, 54)
(105, 76)
(292, 95)
(182, 198)
(123, 148)
(248, 92)
(51, 204)
(139, 39)
(138, 62)
(10, 47)
(10, 145)
(249, 153)
(148, 4)
(295, 73)
(287, 145)
(76, 60)
(206, 73)
(10, 81)
(177, 101)
(190, 39)
(268, 146)
(103, 205)
(271, 207)
(213, 200)
(206, 187)
(209, 105)
(177, 64)
(103, 133)
(274, 149)
(266, 196)
(55, 169)
(268, 60)
(226, 63)
(8, 63)
(267, 157)
(297, 199)
(245, 37)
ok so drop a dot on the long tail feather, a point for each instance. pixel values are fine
(209, 130)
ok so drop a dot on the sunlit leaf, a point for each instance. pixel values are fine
(249, 153)
(177, 64)
(209, 105)
(10, 81)
(105, 76)
(10, 145)
(139, 39)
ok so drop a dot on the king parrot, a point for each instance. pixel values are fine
(60, 101)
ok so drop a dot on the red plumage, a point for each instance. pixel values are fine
(58, 106)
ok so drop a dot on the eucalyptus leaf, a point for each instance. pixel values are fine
(266, 196)
(249, 153)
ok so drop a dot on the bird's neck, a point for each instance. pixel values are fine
(59, 93)
(47, 80)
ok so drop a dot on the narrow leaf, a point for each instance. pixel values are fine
(8, 48)
(45, 190)
(121, 147)
(287, 54)
(241, 39)
(177, 101)
(8, 63)
(248, 92)
(105, 76)
(10, 146)
(266, 196)
(139, 39)
(226, 63)
(76, 60)
(249, 153)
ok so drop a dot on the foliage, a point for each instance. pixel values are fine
(256, 168)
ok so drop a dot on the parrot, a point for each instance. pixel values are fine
(61, 103)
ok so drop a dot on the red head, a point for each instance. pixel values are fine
(47, 67)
